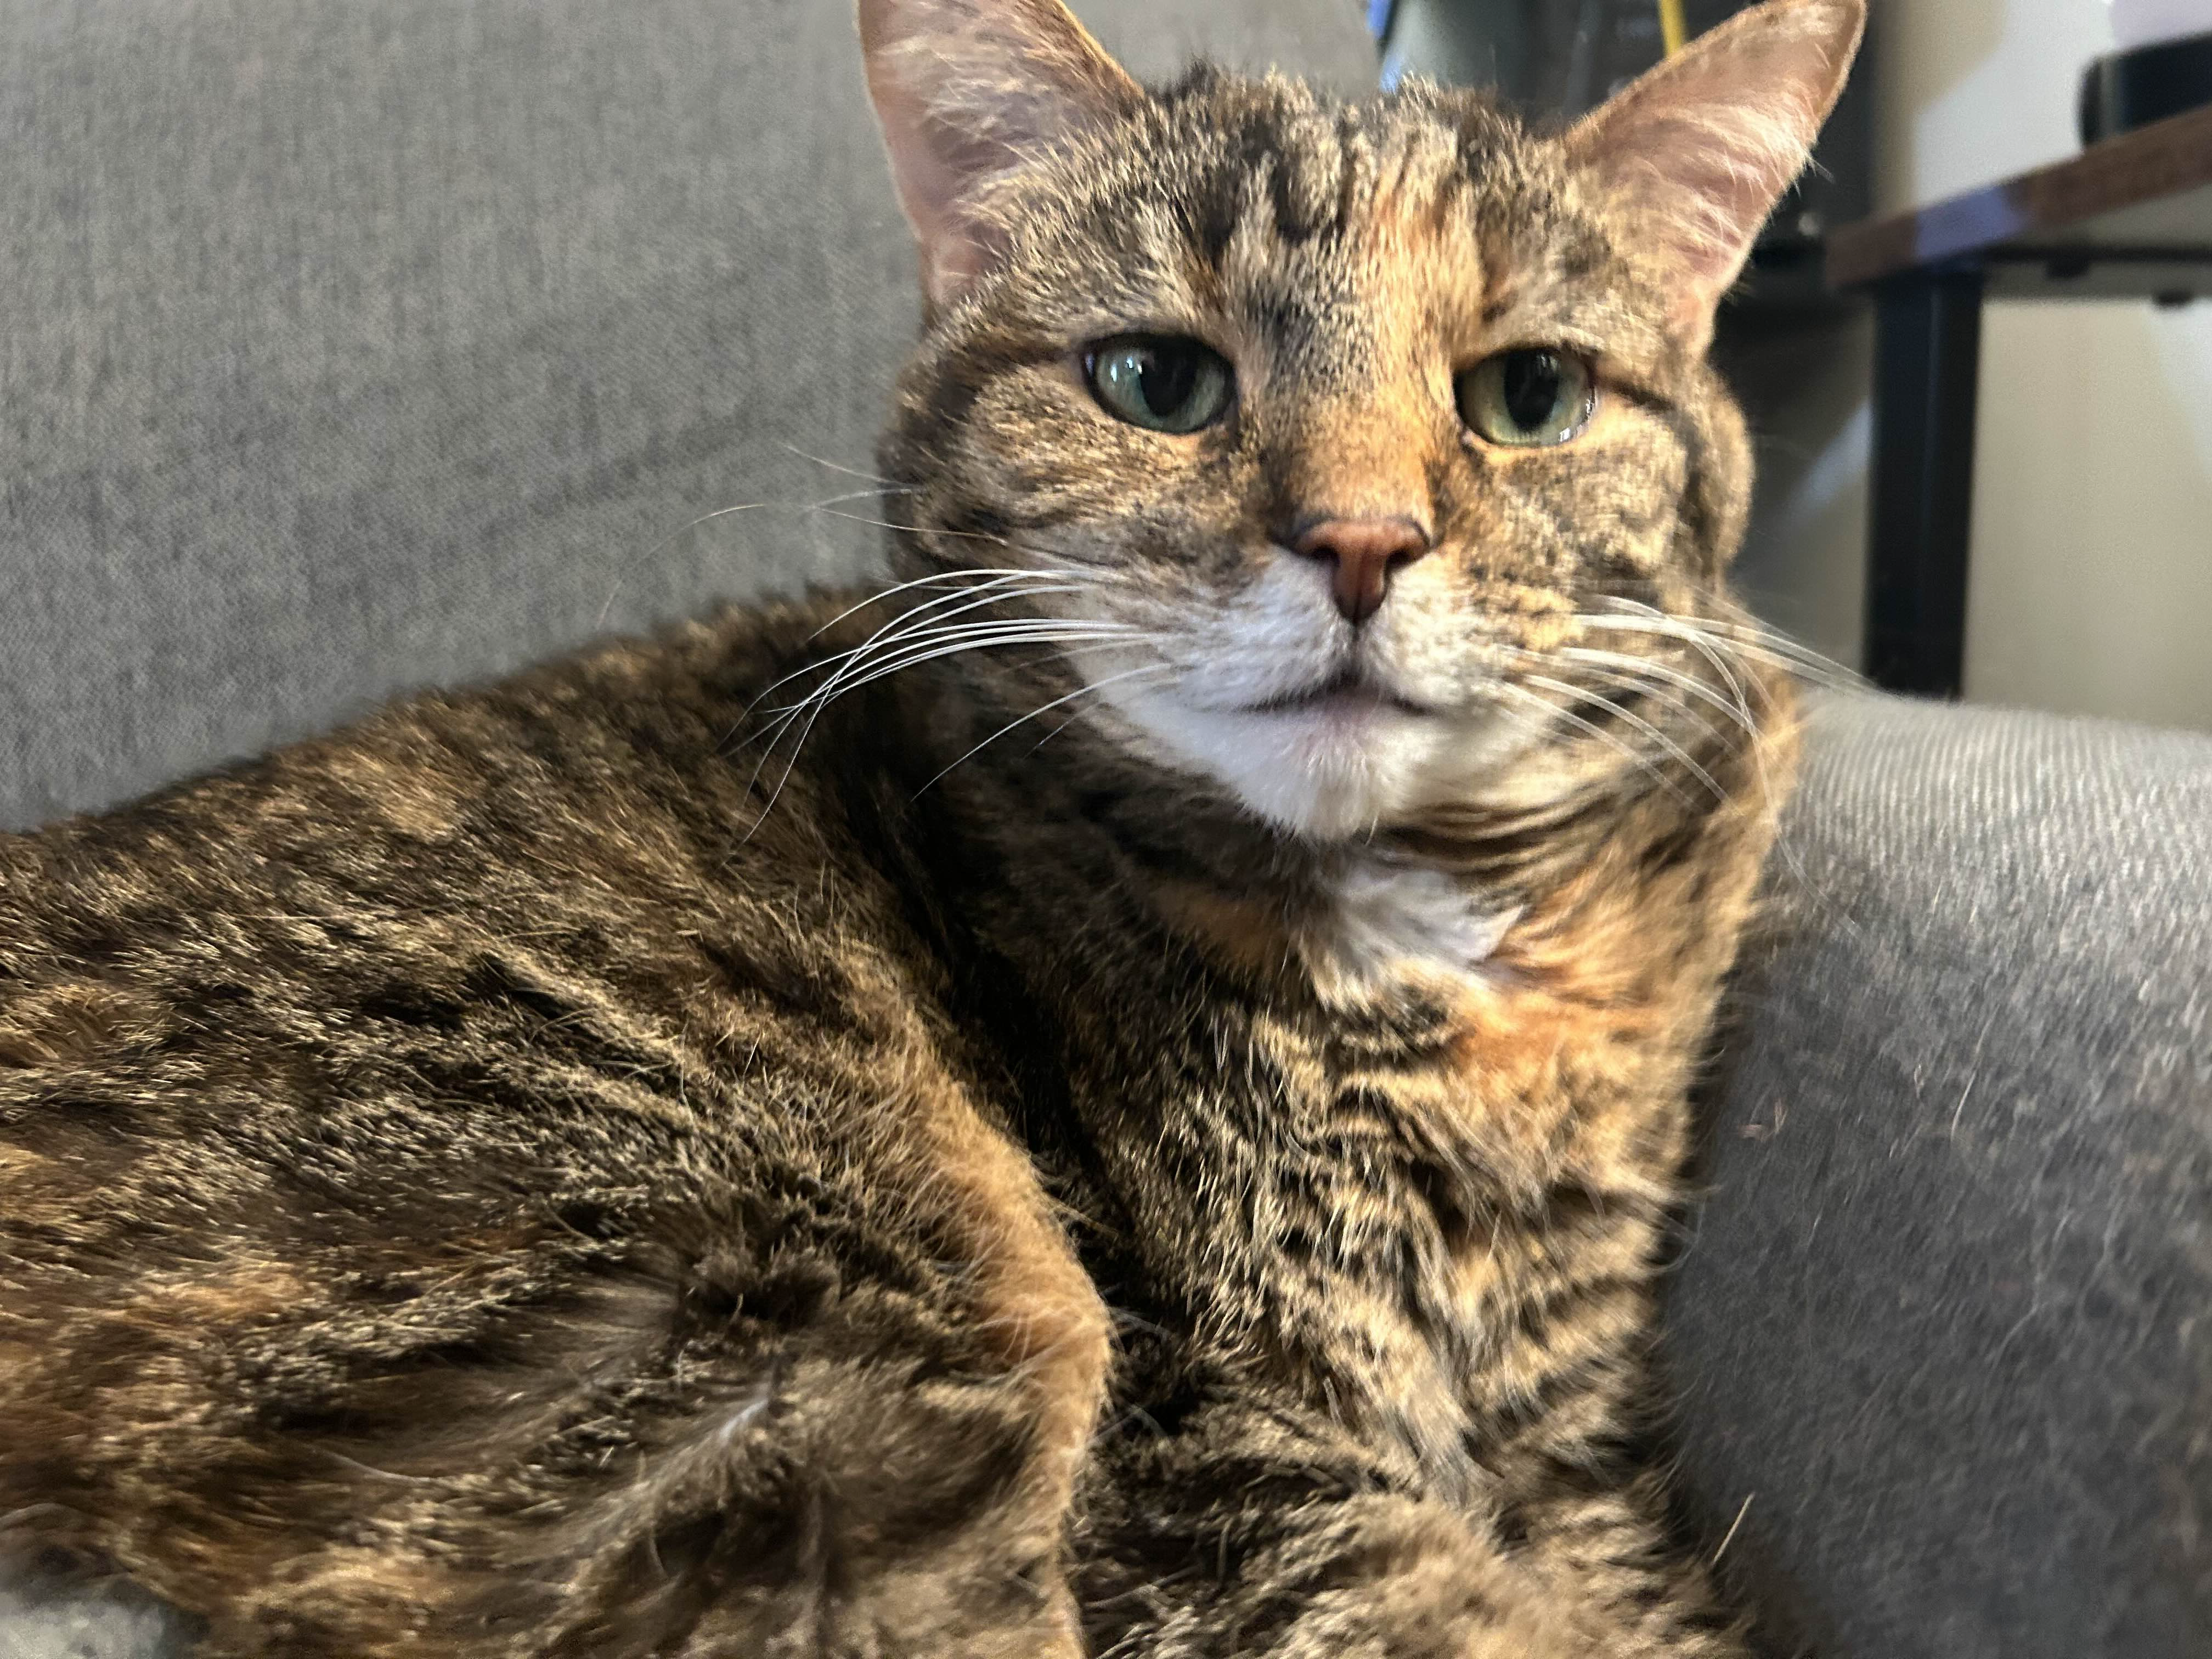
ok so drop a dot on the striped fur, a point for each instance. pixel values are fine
(926, 1125)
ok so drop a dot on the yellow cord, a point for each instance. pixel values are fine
(1671, 29)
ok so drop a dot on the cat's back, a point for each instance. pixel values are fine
(424, 800)
(446, 1165)
(624, 776)
(553, 902)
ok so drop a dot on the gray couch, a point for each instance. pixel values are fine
(349, 348)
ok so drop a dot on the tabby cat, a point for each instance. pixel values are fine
(1121, 1097)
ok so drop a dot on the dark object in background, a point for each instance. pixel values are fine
(2131, 90)
(1555, 59)
(1552, 56)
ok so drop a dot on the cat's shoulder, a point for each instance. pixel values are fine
(622, 762)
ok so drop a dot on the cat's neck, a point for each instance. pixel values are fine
(1065, 848)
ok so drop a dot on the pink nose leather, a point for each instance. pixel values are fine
(1367, 553)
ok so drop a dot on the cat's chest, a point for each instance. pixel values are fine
(1352, 1175)
(1381, 926)
(1406, 1127)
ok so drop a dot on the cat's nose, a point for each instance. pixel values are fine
(1366, 552)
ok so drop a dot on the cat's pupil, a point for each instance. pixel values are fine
(1532, 384)
(1167, 383)
(1166, 379)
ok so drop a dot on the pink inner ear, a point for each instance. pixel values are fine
(1713, 173)
(1700, 149)
(934, 167)
(965, 90)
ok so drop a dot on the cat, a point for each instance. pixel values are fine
(1121, 1096)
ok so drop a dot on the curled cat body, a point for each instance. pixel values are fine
(1123, 1096)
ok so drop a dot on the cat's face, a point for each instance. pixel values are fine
(1340, 437)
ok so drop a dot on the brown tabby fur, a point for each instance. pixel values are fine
(566, 1170)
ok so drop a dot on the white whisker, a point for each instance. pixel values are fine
(1667, 745)
(1089, 685)
(926, 632)
(838, 466)
(917, 620)
(906, 621)
(1610, 739)
(919, 529)
(1000, 574)
(933, 646)
(858, 671)
(1621, 662)
(1745, 634)
(1664, 701)
(1717, 650)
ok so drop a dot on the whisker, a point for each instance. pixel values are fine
(1665, 700)
(920, 529)
(1742, 631)
(933, 614)
(1089, 685)
(1001, 576)
(1717, 651)
(1681, 755)
(899, 626)
(858, 671)
(907, 624)
(657, 549)
(1620, 662)
(931, 646)
(1612, 740)
(825, 504)
(838, 466)
(1714, 651)
(813, 706)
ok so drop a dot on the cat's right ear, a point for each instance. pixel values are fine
(965, 90)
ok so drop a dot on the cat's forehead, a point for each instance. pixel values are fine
(1317, 222)
(1328, 160)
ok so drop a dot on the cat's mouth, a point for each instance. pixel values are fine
(1346, 692)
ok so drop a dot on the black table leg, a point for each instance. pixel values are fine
(1927, 361)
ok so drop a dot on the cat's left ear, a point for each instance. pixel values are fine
(1696, 152)
(965, 90)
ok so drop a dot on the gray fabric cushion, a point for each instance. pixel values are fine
(1947, 1322)
(352, 347)
(46, 1618)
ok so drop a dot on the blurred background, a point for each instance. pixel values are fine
(2091, 564)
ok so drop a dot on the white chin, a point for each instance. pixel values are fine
(1331, 771)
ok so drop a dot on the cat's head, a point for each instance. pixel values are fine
(1350, 457)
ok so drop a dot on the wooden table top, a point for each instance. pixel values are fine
(2129, 218)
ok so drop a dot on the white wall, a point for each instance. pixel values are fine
(2091, 587)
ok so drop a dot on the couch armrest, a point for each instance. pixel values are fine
(1944, 1323)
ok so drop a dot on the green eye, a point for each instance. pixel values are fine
(1527, 398)
(1160, 381)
